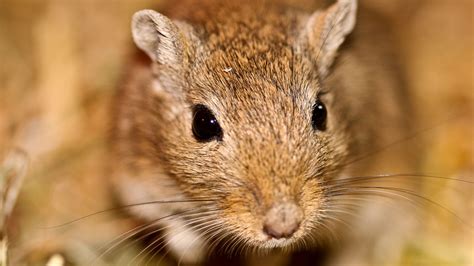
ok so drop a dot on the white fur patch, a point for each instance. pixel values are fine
(185, 243)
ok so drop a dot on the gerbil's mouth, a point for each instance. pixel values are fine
(278, 243)
(265, 241)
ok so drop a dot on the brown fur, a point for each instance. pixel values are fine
(250, 63)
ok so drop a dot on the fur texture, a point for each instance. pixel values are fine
(259, 67)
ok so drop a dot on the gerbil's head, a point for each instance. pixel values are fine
(240, 113)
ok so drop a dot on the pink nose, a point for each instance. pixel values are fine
(282, 220)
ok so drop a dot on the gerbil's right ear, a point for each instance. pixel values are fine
(159, 37)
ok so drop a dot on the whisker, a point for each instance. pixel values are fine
(153, 245)
(404, 139)
(332, 234)
(191, 224)
(370, 189)
(390, 197)
(339, 211)
(367, 191)
(159, 239)
(388, 176)
(209, 224)
(154, 231)
(231, 244)
(222, 235)
(127, 235)
(126, 207)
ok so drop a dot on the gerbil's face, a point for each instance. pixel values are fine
(253, 129)
(258, 140)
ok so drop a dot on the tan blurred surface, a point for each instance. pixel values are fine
(61, 62)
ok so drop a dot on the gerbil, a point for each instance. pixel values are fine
(246, 114)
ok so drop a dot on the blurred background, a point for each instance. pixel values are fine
(62, 60)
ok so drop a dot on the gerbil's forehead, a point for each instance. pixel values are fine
(252, 61)
(240, 77)
(272, 77)
(236, 71)
(249, 46)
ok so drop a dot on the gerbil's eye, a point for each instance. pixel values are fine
(205, 125)
(319, 116)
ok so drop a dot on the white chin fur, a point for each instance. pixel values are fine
(186, 245)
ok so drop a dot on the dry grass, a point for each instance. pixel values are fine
(12, 173)
(61, 62)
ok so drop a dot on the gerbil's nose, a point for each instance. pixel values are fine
(282, 220)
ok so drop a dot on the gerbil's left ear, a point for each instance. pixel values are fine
(326, 31)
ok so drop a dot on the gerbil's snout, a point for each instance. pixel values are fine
(282, 220)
